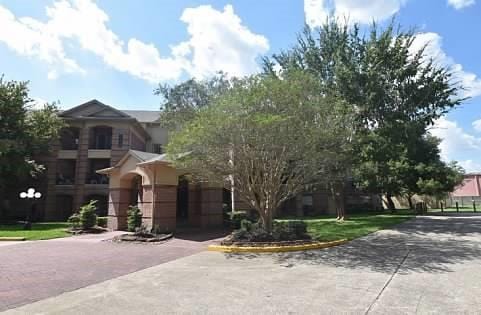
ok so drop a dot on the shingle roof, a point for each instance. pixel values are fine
(146, 156)
(143, 116)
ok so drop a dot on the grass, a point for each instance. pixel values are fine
(39, 231)
(328, 229)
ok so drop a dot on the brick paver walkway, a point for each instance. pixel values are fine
(36, 270)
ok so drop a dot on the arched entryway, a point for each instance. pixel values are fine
(130, 193)
(165, 197)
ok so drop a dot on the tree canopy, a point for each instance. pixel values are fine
(396, 91)
(275, 136)
(25, 133)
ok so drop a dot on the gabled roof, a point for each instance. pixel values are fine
(94, 109)
(144, 116)
(142, 157)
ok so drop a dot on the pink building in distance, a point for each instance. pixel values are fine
(468, 191)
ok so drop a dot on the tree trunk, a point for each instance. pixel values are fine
(390, 202)
(410, 202)
(269, 221)
(337, 193)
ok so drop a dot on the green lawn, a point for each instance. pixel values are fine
(328, 229)
(39, 231)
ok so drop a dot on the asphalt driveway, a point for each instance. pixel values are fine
(429, 265)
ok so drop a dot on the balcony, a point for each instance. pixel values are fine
(100, 138)
(69, 138)
(92, 177)
(65, 172)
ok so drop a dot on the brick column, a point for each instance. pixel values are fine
(51, 212)
(211, 206)
(119, 199)
(164, 209)
(194, 205)
(118, 152)
(81, 168)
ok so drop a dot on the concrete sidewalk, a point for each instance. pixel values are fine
(430, 265)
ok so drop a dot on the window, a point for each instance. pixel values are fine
(157, 148)
(121, 141)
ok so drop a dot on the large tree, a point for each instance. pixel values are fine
(395, 90)
(181, 103)
(275, 136)
(24, 134)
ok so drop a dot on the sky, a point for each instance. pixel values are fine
(119, 51)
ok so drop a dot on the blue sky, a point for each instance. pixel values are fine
(118, 51)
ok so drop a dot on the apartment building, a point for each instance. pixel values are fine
(97, 137)
(116, 157)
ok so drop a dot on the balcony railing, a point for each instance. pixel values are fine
(97, 179)
(65, 180)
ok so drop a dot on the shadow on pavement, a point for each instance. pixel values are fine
(429, 244)
(199, 235)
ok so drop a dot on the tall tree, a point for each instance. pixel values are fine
(395, 91)
(283, 134)
(181, 103)
(24, 134)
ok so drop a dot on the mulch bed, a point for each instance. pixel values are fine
(142, 238)
(94, 230)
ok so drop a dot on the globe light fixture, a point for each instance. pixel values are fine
(30, 195)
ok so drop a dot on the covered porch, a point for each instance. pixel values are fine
(164, 194)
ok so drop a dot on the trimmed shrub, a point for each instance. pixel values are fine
(282, 231)
(235, 218)
(102, 221)
(74, 221)
(87, 215)
(134, 218)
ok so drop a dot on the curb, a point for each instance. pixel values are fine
(12, 239)
(273, 249)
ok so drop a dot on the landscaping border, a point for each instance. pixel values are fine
(273, 249)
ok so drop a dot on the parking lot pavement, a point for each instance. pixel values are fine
(429, 265)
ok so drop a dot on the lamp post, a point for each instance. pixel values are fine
(30, 195)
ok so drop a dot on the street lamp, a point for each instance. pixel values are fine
(30, 195)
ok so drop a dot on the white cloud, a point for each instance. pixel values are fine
(38, 103)
(456, 142)
(362, 11)
(470, 81)
(218, 41)
(477, 125)
(31, 38)
(460, 4)
(471, 166)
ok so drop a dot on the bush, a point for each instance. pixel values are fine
(234, 219)
(102, 221)
(134, 218)
(87, 215)
(74, 220)
(282, 231)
